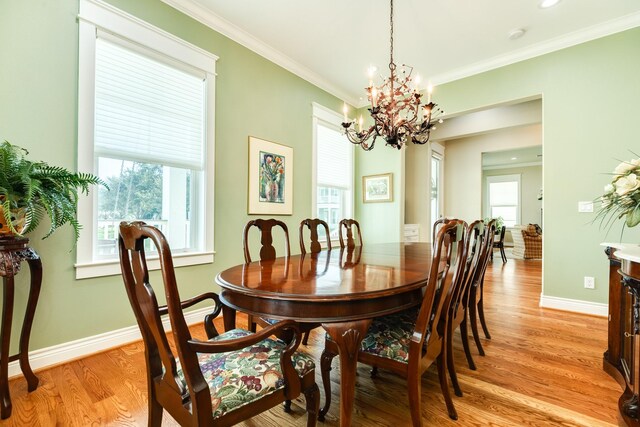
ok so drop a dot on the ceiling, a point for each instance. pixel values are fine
(331, 43)
(529, 156)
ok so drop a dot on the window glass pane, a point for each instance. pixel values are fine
(331, 209)
(156, 194)
(508, 214)
(503, 193)
(435, 189)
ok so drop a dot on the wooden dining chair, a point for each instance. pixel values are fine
(349, 225)
(408, 342)
(313, 225)
(219, 382)
(436, 227)
(268, 253)
(500, 244)
(459, 297)
(476, 300)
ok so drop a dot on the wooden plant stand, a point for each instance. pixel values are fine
(14, 250)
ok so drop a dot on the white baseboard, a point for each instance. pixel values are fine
(68, 351)
(574, 305)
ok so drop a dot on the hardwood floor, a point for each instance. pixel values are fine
(542, 368)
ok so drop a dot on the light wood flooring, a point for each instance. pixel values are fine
(542, 368)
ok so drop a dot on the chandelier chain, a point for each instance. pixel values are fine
(392, 65)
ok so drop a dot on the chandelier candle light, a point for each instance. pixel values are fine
(396, 108)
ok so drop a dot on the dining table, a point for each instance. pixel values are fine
(341, 289)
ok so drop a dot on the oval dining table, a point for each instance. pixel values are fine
(343, 290)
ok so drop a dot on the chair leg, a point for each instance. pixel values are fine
(503, 255)
(474, 322)
(251, 325)
(312, 396)
(481, 314)
(325, 369)
(155, 411)
(444, 386)
(286, 407)
(414, 389)
(464, 334)
(451, 366)
(374, 372)
(305, 339)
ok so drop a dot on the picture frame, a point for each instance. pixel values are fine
(270, 178)
(377, 188)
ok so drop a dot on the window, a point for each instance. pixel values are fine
(146, 128)
(503, 198)
(333, 169)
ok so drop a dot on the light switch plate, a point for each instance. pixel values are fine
(585, 206)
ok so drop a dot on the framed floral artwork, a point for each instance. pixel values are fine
(270, 178)
(377, 188)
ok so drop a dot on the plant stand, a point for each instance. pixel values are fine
(14, 250)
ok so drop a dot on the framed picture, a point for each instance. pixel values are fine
(377, 188)
(270, 178)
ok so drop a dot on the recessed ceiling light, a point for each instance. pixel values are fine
(514, 158)
(548, 3)
(516, 34)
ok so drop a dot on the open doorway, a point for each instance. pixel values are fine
(512, 193)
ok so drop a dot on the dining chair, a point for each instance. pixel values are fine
(459, 297)
(476, 300)
(218, 382)
(349, 225)
(409, 342)
(500, 245)
(268, 253)
(436, 227)
(313, 225)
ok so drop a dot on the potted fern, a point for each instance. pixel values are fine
(30, 190)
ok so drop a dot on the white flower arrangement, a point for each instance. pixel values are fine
(621, 198)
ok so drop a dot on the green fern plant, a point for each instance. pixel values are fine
(41, 190)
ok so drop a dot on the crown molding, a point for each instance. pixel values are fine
(597, 31)
(237, 34)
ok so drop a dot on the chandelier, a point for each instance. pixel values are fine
(396, 108)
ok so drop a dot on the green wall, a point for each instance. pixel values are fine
(590, 98)
(38, 75)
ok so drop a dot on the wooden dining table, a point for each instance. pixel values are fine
(343, 290)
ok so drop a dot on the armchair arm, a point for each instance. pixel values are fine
(209, 327)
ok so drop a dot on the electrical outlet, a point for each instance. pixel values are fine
(589, 282)
(585, 207)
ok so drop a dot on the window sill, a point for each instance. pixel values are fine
(112, 267)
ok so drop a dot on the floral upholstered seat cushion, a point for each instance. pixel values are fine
(389, 336)
(240, 377)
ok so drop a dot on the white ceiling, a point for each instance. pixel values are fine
(331, 43)
(519, 157)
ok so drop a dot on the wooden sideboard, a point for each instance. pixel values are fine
(622, 358)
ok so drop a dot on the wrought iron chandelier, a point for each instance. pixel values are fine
(396, 108)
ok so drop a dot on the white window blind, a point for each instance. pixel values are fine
(333, 158)
(147, 110)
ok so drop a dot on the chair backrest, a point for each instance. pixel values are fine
(436, 227)
(161, 363)
(475, 248)
(447, 268)
(312, 225)
(502, 231)
(487, 249)
(267, 251)
(348, 225)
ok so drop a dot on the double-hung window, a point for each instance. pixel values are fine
(146, 128)
(503, 196)
(333, 169)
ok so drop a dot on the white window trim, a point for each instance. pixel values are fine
(96, 15)
(504, 178)
(436, 150)
(332, 118)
